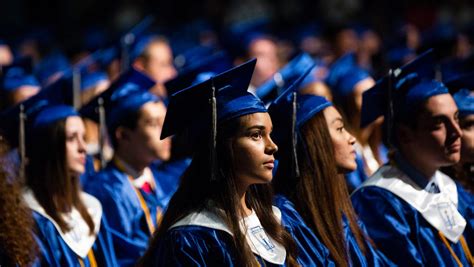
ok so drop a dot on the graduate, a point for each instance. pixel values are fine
(417, 215)
(315, 151)
(70, 228)
(134, 192)
(221, 214)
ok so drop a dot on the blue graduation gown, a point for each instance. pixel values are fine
(193, 245)
(127, 219)
(311, 252)
(403, 234)
(55, 252)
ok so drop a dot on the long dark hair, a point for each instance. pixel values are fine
(48, 177)
(319, 193)
(197, 192)
(17, 244)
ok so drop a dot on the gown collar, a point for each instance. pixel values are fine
(260, 243)
(439, 210)
(78, 239)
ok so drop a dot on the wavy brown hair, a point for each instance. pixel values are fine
(197, 191)
(17, 243)
(319, 193)
(56, 190)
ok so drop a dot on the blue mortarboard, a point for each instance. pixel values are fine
(290, 112)
(51, 114)
(397, 56)
(232, 100)
(88, 80)
(462, 87)
(57, 93)
(411, 85)
(216, 63)
(139, 46)
(50, 65)
(18, 74)
(125, 95)
(343, 75)
(287, 76)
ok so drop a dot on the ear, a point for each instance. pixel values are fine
(122, 134)
(139, 64)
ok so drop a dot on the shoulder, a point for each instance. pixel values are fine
(287, 210)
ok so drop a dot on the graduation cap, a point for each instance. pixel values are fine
(201, 107)
(135, 41)
(461, 87)
(127, 94)
(18, 121)
(287, 76)
(291, 111)
(19, 73)
(399, 94)
(215, 63)
(50, 65)
(343, 75)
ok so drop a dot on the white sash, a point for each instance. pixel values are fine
(438, 209)
(79, 239)
(260, 243)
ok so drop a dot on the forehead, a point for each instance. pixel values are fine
(153, 109)
(74, 123)
(440, 105)
(256, 119)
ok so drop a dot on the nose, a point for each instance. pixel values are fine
(271, 148)
(81, 145)
(455, 130)
(351, 139)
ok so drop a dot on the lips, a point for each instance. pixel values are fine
(269, 164)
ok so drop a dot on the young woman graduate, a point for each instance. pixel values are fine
(71, 230)
(222, 213)
(315, 152)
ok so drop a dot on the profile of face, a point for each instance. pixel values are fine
(253, 150)
(467, 139)
(436, 138)
(266, 52)
(342, 141)
(158, 64)
(6, 55)
(144, 141)
(75, 145)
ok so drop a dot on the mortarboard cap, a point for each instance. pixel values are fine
(462, 88)
(127, 94)
(287, 76)
(411, 85)
(89, 80)
(216, 63)
(190, 108)
(18, 74)
(50, 65)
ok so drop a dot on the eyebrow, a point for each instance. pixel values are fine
(260, 127)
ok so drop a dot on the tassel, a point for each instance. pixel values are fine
(76, 89)
(213, 140)
(102, 132)
(21, 142)
(389, 118)
(294, 137)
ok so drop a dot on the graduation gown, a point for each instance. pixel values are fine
(202, 239)
(75, 247)
(405, 221)
(132, 213)
(312, 252)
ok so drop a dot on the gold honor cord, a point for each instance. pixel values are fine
(465, 248)
(149, 221)
(91, 257)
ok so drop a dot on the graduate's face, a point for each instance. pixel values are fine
(159, 65)
(253, 150)
(75, 145)
(265, 51)
(145, 138)
(436, 139)
(343, 142)
(467, 140)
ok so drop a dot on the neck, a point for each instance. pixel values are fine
(427, 170)
(242, 193)
(136, 163)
